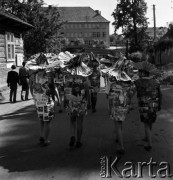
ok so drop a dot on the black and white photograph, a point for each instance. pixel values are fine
(86, 89)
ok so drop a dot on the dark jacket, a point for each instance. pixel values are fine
(12, 78)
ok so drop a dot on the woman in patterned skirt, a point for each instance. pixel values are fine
(76, 96)
(120, 90)
(42, 93)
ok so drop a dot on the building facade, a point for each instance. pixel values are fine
(83, 23)
(11, 41)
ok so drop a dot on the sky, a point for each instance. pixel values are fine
(163, 9)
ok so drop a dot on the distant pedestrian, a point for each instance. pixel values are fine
(12, 81)
(59, 86)
(94, 79)
(24, 81)
(94, 88)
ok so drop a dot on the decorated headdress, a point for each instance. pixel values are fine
(76, 67)
(120, 70)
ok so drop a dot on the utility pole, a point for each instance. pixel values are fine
(154, 18)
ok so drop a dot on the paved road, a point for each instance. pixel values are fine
(21, 158)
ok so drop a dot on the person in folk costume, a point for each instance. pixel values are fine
(149, 97)
(43, 92)
(120, 90)
(94, 79)
(77, 99)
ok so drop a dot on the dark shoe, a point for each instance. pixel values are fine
(46, 143)
(41, 140)
(22, 98)
(14, 101)
(144, 139)
(72, 141)
(94, 110)
(60, 111)
(121, 151)
(78, 144)
(10, 100)
(148, 148)
(88, 107)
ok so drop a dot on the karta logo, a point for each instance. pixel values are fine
(109, 166)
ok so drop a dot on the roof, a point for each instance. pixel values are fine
(81, 14)
(11, 19)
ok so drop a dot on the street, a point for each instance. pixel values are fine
(22, 158)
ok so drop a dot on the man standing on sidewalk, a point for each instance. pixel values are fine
(24, 80)
(12, 81)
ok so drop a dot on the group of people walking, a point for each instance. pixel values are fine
(120, 89)
(76, 88)
(14, 79)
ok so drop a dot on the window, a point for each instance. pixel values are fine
(94, 34)
(80, 26)
(86, 42)
(97, 26)
(85, 34)
(68, 35)
(71, 26)
(104, 34)
(90, 42)
(72, 35)
(80, 34)
(98, 34)
(10, 45)
(67, 26)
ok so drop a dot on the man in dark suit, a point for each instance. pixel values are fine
(24, 81)
(12, 81)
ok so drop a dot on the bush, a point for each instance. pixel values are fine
(136, 56)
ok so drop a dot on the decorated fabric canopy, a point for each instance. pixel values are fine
(120, 70)
(105, 61)
(119, 75)
(49, 60)
(76, 67)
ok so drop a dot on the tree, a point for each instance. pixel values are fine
(47, 22)
(169, 33)
(112, 38)
(130, 16)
